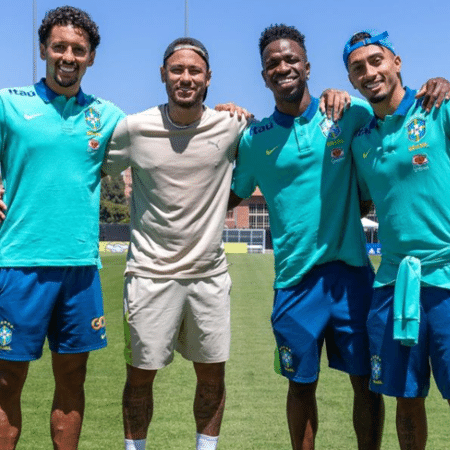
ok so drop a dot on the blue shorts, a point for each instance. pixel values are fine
(330, 303)
(402, 371)
(63, 304)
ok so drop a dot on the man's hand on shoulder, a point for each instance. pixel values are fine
(233, 109)
(333, 103)
(434, 92)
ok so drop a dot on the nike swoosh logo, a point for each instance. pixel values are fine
(270, 151)
(31, 116)
(366, 154)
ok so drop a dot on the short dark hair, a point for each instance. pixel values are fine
(68, 15)
(359, 37)
(281, 31)
(187, 42)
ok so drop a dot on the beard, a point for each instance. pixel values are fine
(65, 83)
(198, 99)
(377, 98)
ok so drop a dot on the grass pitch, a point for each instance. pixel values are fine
(255, 410)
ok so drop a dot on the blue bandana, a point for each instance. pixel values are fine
(375, 38)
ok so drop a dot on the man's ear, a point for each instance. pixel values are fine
(208, 78)
(263, 74)
(91, 59)
(42, 51)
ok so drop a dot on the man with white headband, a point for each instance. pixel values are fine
(177, 289)
(403, 162)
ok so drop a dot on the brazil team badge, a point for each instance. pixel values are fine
(6, 332)
(286, 358)
(416, 129)
(329, 128)
(375, 362)
(92, 117)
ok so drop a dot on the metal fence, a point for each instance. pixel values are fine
(254, 238)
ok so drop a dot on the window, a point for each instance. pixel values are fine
(258, 215)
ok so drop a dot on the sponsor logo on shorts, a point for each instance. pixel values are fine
(416, 129)
(92, 117)
(375, 362)
(6, 334)
(330, 129)
(420, 162)
(337, 154)
(286, 359)
(98, 323)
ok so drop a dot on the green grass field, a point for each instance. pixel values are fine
(255, 409)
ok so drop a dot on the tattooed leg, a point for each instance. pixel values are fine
(209, 400)
(137, 402)
(411, 423)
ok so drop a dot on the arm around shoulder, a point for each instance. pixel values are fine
(118, 154)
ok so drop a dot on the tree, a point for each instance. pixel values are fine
(113, 204)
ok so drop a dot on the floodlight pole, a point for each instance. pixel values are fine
(186, 18)
(34, 42)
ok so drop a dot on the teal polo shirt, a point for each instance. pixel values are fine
(403, 164)
(303, 167)
(51, 151)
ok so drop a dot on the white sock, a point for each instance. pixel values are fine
(205, 442)
(131, 444)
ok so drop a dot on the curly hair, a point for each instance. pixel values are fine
(282, 31)
(68, 15)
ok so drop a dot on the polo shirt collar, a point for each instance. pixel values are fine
(406, 103)
(286, 121)
(48, 95)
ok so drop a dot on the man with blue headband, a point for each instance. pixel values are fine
(402, 159)
(301, 162)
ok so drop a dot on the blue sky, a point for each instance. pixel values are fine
(135, 34)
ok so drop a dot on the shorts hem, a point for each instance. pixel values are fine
(215, 361)
(300, 380)
(73, 351)
(146, 366)
(20, 358)
(380, 390)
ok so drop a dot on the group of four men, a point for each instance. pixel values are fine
(55, 141)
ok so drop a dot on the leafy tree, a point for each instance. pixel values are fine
(113, 204)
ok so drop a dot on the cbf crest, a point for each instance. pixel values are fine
(6, 334)
(375, 363)
(329, 128)
(92, 117)
(416, 129)
(286, 358)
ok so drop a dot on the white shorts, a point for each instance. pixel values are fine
(189, 315)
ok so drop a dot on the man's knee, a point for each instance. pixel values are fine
(213, 373)
(411, 405)
(302, 389)
(12, 377)
(69, 370)
(140, 377)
